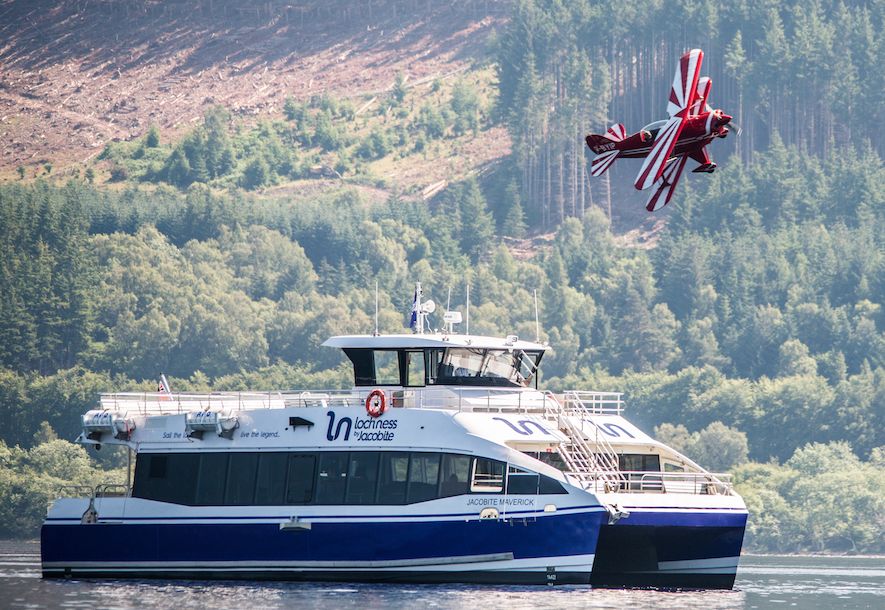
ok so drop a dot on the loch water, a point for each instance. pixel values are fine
(809, 583)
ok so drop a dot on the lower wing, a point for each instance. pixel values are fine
(666, 184)
(656, 160)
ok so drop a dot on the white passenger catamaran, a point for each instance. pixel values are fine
(444, 463)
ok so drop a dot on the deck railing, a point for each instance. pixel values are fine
(695, 483)
(102, 490)
(498, 400)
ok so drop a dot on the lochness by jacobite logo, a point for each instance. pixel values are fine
(362, 428)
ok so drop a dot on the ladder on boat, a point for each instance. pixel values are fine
(590, 459)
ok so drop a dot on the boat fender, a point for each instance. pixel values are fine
(90, 516)
(376, 403)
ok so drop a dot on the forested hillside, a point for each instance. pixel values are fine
(748, 331)
(804, 72)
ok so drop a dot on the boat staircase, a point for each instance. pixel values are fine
(590, 458)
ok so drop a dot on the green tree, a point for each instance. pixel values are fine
(477, 225)
(152, 139)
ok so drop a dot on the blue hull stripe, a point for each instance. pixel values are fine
(684, 519)
(550, 536)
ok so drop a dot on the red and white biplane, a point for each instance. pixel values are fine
(667, 144)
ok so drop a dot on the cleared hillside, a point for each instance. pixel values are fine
(76, 75)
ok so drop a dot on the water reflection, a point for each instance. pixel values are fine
(803, 582)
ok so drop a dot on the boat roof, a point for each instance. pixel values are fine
(429, 340)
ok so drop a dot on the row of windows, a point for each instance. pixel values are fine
(326, 477)
(447, 366)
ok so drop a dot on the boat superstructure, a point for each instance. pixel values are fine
(444, 462)
(436, 485)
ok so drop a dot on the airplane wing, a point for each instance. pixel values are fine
(685, 83)
(656, 160)
(702, 99)
(682, 96)
(666, 184)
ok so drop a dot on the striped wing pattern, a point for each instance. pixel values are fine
(602, 162)
(669, 178)
(656, 160)
(616, 133)
(685, 82)
(701, 103)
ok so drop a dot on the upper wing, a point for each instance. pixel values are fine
(685, 83)
(702, 99)
(682, 97)
(656, 160)
(669, 179)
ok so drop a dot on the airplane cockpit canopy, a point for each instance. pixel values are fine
(652, 129)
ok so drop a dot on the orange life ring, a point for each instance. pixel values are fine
(376, 403)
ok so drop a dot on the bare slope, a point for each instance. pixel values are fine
(77, 74)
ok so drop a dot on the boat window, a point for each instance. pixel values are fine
(240, 488)
(331, 478)
(550, 486)
(362, 476)
(363, 366)
(501, 364)
(393, 478)
(488, 476)
(455, 475)
(551, 458)
(213, 474)
(423, 477)
(638, 462)
(386, 367)
(270, 484)
(636, 466)
(473, 366)
(521, 482)
(462, 362)
(670, 467)
(166, 477)
(326, 477)
(434, 361)
(299, 489)
(414, 367)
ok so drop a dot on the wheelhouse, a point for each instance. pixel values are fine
(426, 361)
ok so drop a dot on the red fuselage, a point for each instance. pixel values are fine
(699, 130)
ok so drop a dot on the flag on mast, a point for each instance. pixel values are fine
(416, 308)
(163, 385)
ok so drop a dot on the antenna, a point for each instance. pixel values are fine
(376, 308)
(420, 310)
(450, 318)
(467, 319)
(537, 324)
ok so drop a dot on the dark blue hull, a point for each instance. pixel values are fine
(670, 550)
(554, 548)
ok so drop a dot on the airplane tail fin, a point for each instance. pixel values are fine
(601, 143)
(605, 147)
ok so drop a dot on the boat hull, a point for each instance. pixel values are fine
(670, 550)
(536, 549)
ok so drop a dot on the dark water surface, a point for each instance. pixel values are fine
(762, 582)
